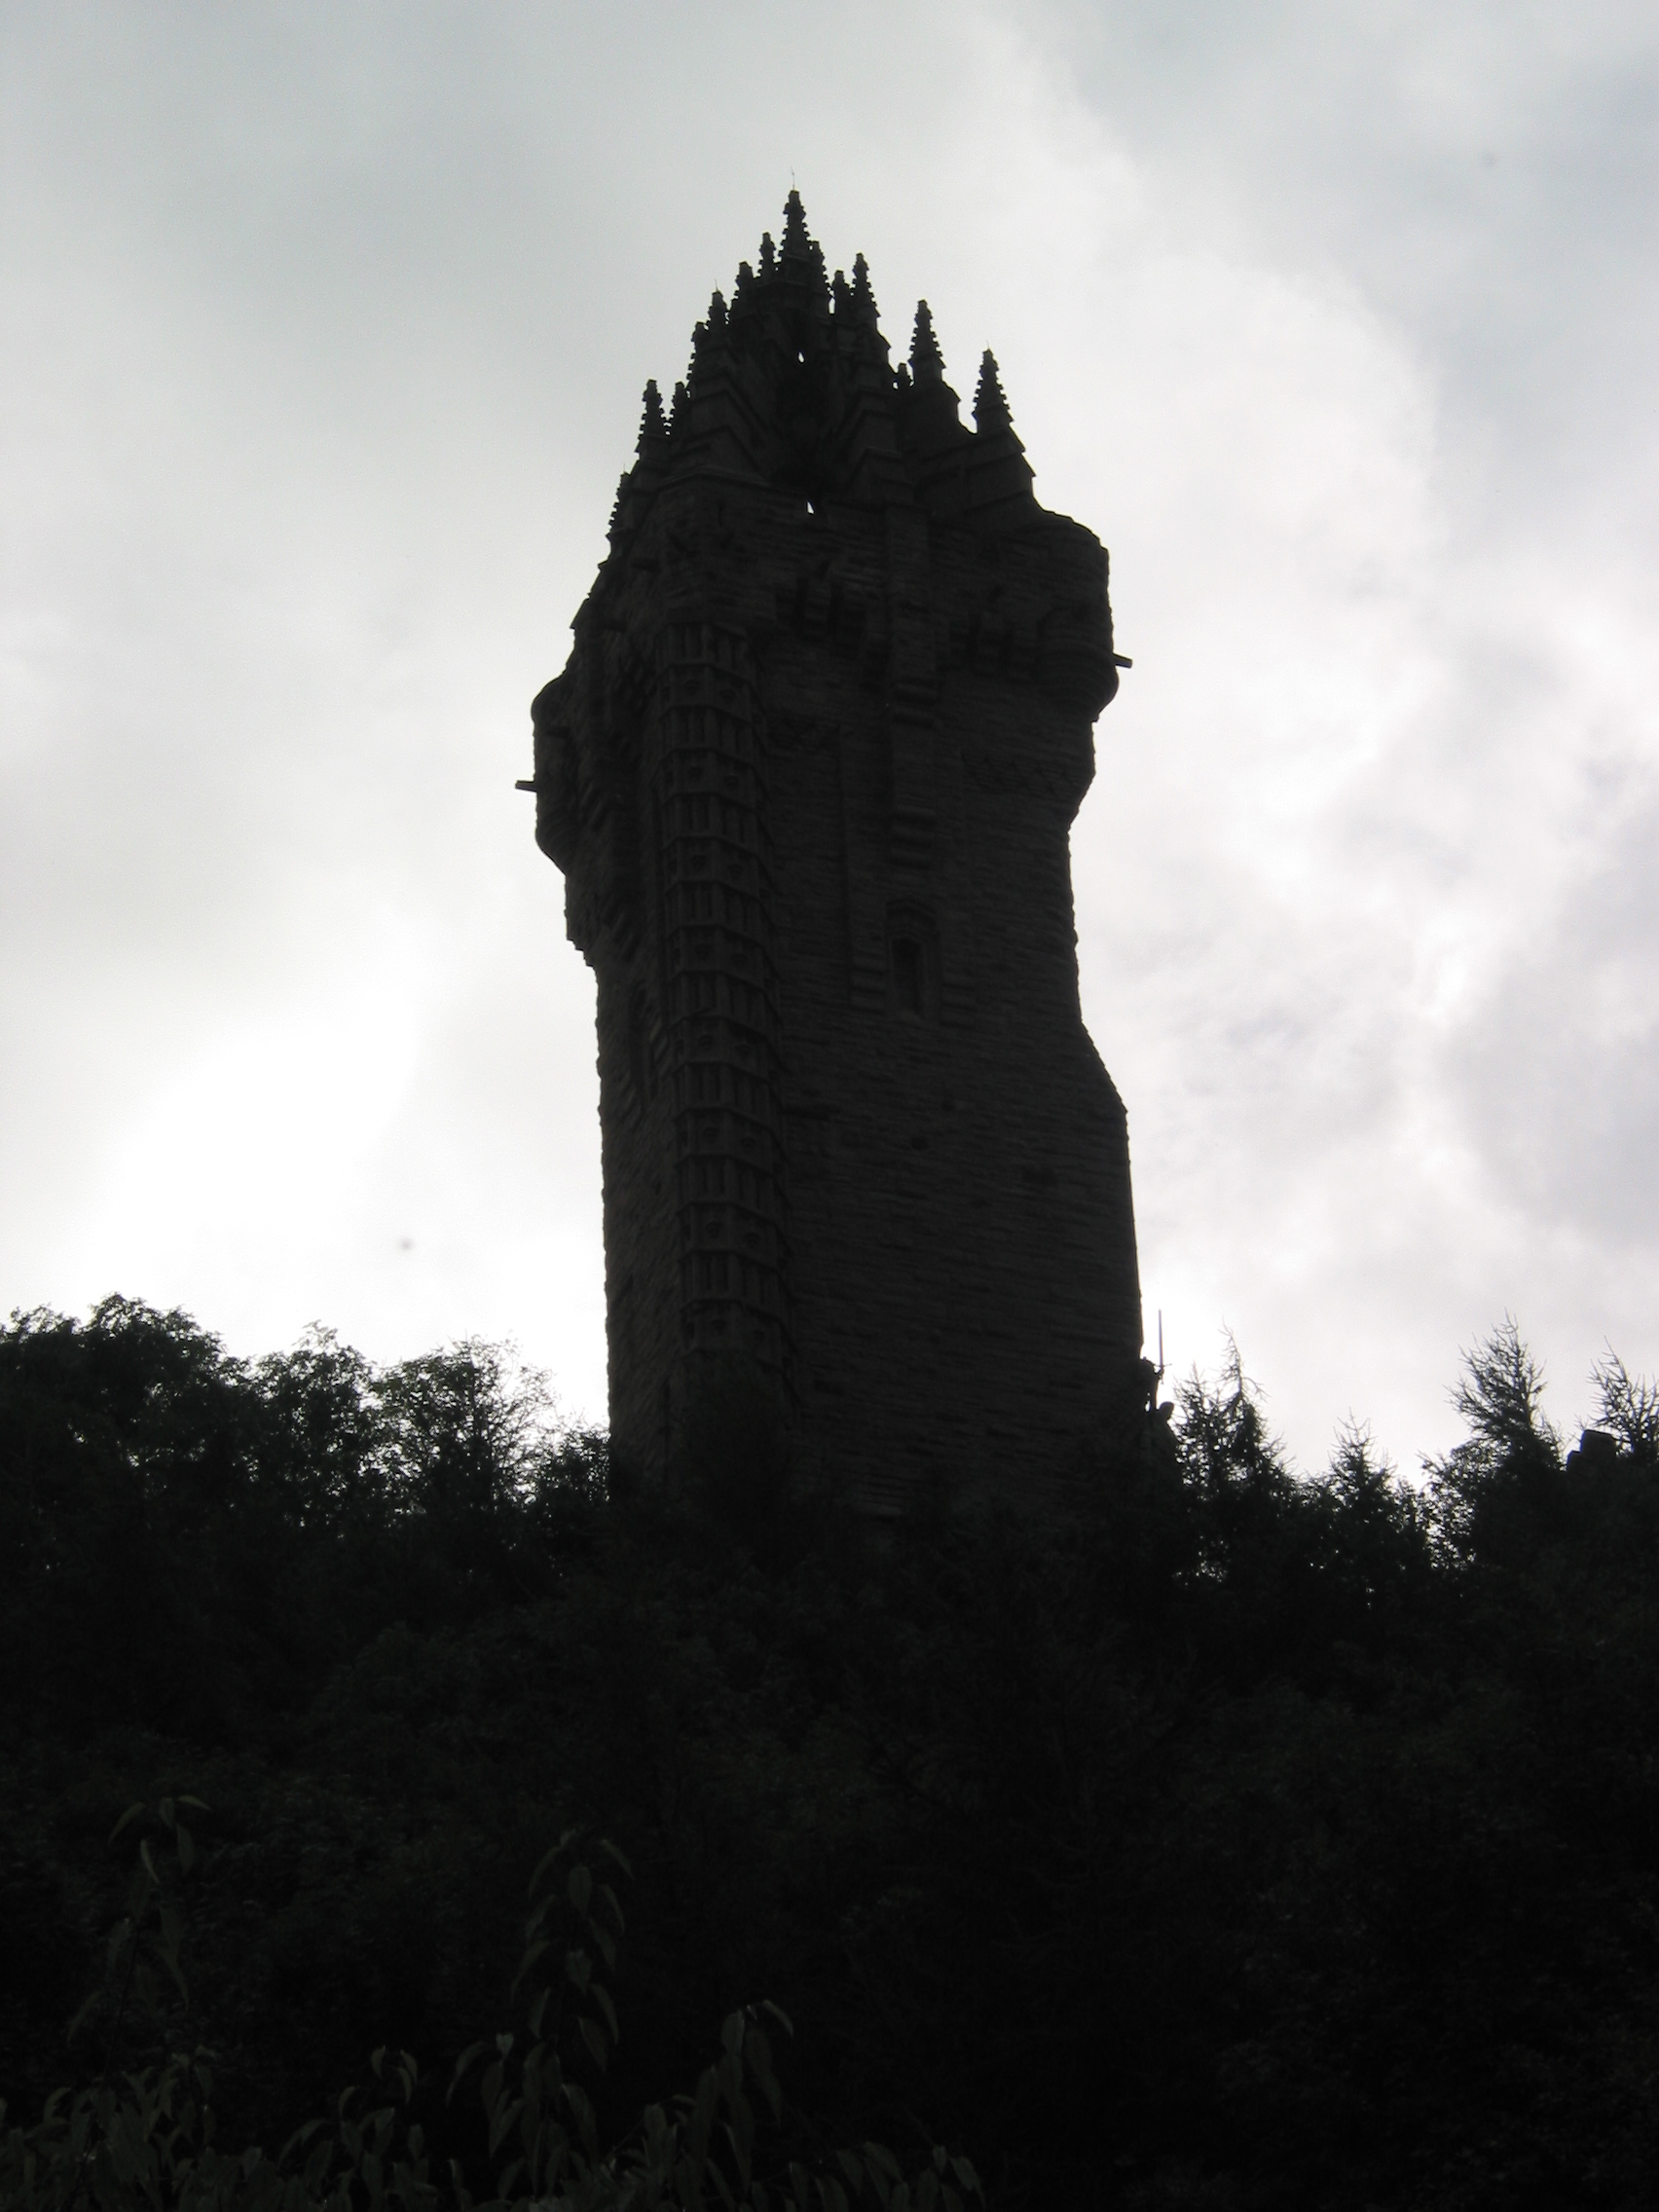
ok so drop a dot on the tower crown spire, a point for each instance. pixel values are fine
(791, 379)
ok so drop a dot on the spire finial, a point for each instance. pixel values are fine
(927, 362)
(798, 238)
(707, 340)
(990, 404)
(680, 415)
(862, 296)
(768, 256)
(653, 425)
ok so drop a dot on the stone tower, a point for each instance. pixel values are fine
(810, 773)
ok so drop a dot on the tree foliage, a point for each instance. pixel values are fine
(1235, 1837)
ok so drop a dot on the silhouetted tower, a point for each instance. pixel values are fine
(810, 774)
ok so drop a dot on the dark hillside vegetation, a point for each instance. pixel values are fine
(1244, 1840)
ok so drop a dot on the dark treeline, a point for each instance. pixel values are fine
(1237, 1839)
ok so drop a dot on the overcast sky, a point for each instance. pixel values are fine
(325, 331)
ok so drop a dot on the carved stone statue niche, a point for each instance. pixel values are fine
(810, 773)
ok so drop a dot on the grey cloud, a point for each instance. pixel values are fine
(328, 334)
(1558, 1072)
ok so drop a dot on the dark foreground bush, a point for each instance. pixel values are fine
(1247, 1840)
(148, 2138)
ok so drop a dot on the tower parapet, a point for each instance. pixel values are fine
(810, 773)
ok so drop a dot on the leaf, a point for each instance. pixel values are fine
(127, 1818)
(169, 1959)
(702, 2109)
(300, 2136)
(548, 1859)
(502, 2121)
(462, 2064)
(536, 1952)
(578, 1887)
(593, 2035)
(490, 2087)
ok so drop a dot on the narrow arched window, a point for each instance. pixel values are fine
(910, 975)
(912, 962)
